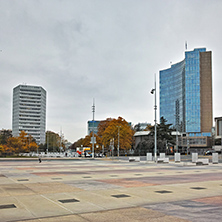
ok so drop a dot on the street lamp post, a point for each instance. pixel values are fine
(187, 135)
(153, 91)
(177, 140)
(111, 147)
(177, 115)
(118, 140)
(188, 143)
(93, 110)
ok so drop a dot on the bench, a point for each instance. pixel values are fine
(202, 162)
(134, 159)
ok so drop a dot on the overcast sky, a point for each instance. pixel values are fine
(109, 50)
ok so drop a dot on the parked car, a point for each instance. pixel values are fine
(99, 154)
(209, 152)
(88, 154)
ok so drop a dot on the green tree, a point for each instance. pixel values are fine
(5, 134)
(53, 141)
(164, 136)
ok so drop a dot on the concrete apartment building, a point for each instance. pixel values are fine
(29, 111)
(186, 97)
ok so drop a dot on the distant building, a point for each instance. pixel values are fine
(141, 126)
(218, 127)
(194, 143)
(141, 136)
(186, 99)
(217, 131)
(29, 111)
(186, 93)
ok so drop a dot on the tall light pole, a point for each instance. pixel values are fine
(118, 140)
(47, 133)
(188, 143)
(153, 91)
(177, 115)
(187, 135)
(93, 110)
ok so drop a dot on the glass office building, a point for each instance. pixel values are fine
(186, 93)
(171, 93)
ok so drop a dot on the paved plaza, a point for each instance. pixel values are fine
(109, 190)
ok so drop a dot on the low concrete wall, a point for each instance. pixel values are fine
(215, 158)
(134, 159)
(177, 157)
(149, 157)
(194, 157)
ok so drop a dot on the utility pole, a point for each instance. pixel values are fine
(177, 122)
(47, 133)
(118, 140)
(153, 91)
(93, 110)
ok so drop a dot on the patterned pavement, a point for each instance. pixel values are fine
(109, 190)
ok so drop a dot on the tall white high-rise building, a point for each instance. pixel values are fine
(29, 111)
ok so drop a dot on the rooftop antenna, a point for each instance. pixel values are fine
(185, 45)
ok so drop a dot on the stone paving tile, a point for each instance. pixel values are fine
(127, 182)
(61, 173)
(69, 218)
(211, 200)
(190, 210)
(123, 215)
(81, 205)
(51, 187)
(130, 215)
(60, 180)
(22, 175)
(40, 206)
(192, 204)
(172, 179)
(92, 185)
(206, 218)
(16, 189)
(5, 180)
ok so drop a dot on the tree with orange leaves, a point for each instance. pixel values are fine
(110, 130)
(102, 126)
(86, 142)
(21, 144)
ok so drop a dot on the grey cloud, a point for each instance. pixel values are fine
(108, 50)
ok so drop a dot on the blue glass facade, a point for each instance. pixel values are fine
(171, 93)
(192, 90)
(180, 93)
